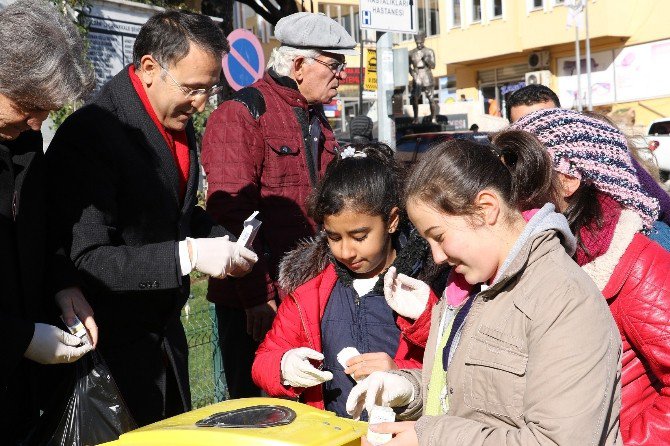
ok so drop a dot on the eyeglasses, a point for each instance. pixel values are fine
(335, 67)
(190, 93)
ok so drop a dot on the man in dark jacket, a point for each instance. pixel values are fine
(53, 71)
(124, 173)
(263, 151)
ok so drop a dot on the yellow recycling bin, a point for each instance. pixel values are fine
(246, 422)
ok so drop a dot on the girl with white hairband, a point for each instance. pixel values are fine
(344, 287)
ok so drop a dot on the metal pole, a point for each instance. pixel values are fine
(588, 56)
(360, 73)
(385, 125)
(579, 69)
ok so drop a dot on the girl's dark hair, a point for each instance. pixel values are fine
(450, 175)
(368, 184)
(584, 211)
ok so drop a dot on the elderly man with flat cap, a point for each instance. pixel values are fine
(264, 150)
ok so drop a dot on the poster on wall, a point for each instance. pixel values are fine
(112, 31)
(602, 79)
(628, 74)
(642, 71)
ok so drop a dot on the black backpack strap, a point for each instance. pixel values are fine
(253, 99)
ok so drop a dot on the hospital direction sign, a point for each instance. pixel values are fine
(389, 15)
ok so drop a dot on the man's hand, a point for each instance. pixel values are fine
(51, 345)
(72, 303)
(259, 319)
(218, 257)
(404, 432)
(362, 365)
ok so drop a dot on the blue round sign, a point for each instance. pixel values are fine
(245, 62)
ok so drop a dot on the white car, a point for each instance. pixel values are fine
(658, 140)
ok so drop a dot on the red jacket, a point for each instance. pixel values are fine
(255, 160)
(298, 324)
(638, 293)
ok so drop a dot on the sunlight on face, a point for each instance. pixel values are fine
(456, 241)
(361, 242)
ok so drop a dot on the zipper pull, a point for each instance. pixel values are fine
(14, 200)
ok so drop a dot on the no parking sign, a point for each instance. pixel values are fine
(246, 62)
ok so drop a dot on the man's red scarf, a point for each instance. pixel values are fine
(176, 140)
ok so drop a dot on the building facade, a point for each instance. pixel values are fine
(492, 47)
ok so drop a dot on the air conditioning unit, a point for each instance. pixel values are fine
(538, 77)
(538, 60)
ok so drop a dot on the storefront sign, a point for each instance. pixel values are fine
(625, 75)
(353, 74)
(371, 70)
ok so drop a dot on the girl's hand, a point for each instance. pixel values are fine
(362, 365)
(405, 435)
(406, 296)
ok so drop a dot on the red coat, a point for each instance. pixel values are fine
(639, 296)
(298, 324)
(255, 160)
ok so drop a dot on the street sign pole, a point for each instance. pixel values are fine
(385, 125)
(397, 17)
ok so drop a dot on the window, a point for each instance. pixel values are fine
(476, 11)
(538, 4)
(497, 8)
(455, 13)
(433, 17)
(428, 20)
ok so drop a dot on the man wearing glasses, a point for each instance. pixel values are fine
(124, 173)
(264, 150)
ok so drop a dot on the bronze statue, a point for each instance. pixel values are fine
(421, 64)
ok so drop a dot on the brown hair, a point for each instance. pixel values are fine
(516, 165)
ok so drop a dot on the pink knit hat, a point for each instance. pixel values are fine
(593, 151)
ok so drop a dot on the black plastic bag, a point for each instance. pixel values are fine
(95, 411)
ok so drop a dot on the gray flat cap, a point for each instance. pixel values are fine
(306, 30)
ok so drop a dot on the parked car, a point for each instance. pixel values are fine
(658, 140)
(409, 148)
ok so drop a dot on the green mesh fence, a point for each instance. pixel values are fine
(205, 365)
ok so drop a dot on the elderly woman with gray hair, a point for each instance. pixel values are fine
(42, 67)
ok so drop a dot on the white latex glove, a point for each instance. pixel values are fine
(51, 345)
(297, 371)
(219, 257)
(406, 296)
(381, 389)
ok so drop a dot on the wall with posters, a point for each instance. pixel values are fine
(627, 74)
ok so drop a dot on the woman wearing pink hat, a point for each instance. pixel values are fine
(610, 215)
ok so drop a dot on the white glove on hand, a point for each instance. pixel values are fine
(406, 296)
(297, 371)
(219, 257)
(381, 389)
(51, 345)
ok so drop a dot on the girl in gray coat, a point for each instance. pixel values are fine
(522, 348)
